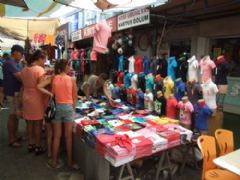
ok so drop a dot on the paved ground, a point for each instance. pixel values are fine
(18, 164)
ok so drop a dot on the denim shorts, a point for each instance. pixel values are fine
(64, 113)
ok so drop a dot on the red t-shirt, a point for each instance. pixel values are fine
(138, 65)
(120, 78)
(172, 108)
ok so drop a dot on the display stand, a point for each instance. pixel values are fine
(164, 164)
(129, 169)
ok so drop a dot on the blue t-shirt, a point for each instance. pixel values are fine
(121, 63)
(116, 93)
(140, 100)
(179, 90)
(127, 79)
(146, 65)
(10, 83)
(201, 117)
(149, 82)
(172, 65)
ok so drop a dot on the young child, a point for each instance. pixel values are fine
(186, 110)
(160, 104)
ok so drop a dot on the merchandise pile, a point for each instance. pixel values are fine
(122, 134)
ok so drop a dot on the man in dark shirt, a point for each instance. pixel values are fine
(11, 85)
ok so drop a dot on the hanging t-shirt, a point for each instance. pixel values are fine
(120, 78)
(148, 101)
(210, 91)
(131, 64)
(201, 117)
(121, 63)
(138, 65)
(168, 87)
(193, 69)
(74, 54)
(114, 76)
(149, 82)
(140, 100)
(142, 81)
(127, 79)
(179, 89)
(134, 81)
(162, 68)
(160, 106)
(206, 68)
(146, 65)
(101, 36)
(182, 69)
(186, 110)
(171, 110)
(93, 55)
(221, 71)
(172, 65)
(154, 66)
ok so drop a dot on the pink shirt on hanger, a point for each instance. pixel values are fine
(206, 66)
(101, 36)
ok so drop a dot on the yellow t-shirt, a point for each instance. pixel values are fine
(168, 85)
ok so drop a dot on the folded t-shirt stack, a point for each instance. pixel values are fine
(143, 146)
(159, 143)
(172, 137)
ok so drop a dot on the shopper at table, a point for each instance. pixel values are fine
(64, 90)
(11, 85)
(33, 106)
(95, 84)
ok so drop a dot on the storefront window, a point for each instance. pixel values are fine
(230, 48)
(177, 48)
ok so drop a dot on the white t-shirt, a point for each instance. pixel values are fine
(131, 64)
(193, 69)
(210, 91)
(134, 81)
(148, 101)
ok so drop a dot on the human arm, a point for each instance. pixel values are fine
(43, 83)
(74, 91)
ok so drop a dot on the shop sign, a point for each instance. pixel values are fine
(134, 18)
(77, 35)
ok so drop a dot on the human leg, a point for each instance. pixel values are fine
(68, 140)
(57, 132)
(49, 138)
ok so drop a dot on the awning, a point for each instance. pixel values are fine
(21, 29)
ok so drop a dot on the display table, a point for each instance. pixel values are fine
(114, 137)
(230, 162)
(91, 163)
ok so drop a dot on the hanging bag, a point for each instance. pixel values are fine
(51, 109)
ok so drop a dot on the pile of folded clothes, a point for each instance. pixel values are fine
(123, 134)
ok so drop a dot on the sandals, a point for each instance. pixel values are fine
(31, 147)
(53, 166)
(39, 150)
(14, 144)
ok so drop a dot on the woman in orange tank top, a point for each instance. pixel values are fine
(65, 92)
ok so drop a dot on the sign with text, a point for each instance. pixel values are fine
(77, 35)
(134, 18)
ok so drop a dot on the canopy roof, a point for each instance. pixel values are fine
(21, 29)
(60, 8)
